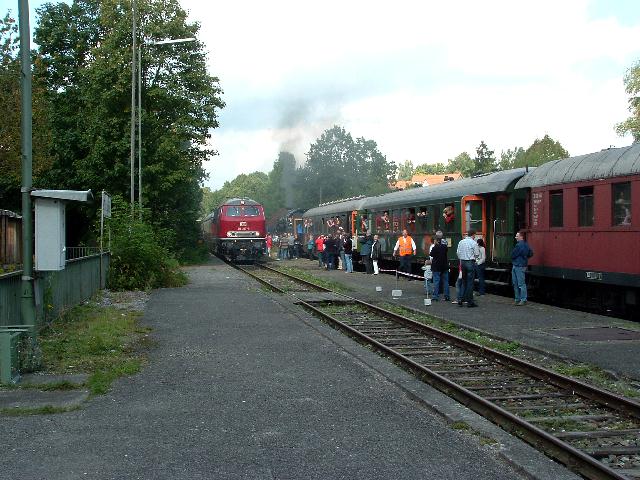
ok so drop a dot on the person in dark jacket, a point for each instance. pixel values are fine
(440, 267)
(348, 251)
(365, 251)
(331, 249)
(519, 259)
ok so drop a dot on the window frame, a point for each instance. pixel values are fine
(586, 204)
(553, 214)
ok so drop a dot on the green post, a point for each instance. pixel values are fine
(28, 304)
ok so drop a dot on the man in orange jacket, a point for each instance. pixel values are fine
(406, 247)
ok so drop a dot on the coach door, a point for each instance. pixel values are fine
(473, 208)
(502, 231)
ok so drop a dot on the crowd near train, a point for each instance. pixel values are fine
(576, 214)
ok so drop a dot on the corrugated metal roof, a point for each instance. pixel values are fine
(612, 162)
(493, 182)
(67, 195)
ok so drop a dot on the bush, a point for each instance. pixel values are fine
(139, 258)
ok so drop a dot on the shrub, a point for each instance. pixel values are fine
(139, 257)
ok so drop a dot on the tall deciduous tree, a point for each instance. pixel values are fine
(339, 167)
(405, 170)
(541, 151)
(632, 87)
(86, 47)
(484, 162)
(462, 163)
(10, 134)
(510, 158)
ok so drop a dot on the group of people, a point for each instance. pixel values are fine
(335, 251)
(287, 244)
(472, 259)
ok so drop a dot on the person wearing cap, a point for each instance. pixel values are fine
(406, 247)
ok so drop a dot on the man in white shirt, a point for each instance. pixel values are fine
(468, 253)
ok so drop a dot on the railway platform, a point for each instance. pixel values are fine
(242, 383)
(608, 343)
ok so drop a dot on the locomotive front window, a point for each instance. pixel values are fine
(244, 211)
(621, 200)
(585, 207)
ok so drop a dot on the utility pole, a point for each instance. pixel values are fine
(28, 316)
(134, 48)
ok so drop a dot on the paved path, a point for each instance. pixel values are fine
(243, 385)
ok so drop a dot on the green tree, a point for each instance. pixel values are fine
(510, 158)
(632, 87)
(541, 151)
(462, 163)
(339, 167)
(432, 169)
(86, 48)
(253, 185)
(10, 133)
(405, 170)
(484, 162)
(282, 184)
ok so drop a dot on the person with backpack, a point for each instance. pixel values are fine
(519, 259)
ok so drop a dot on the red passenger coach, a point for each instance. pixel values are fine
(584, 227)
(236, 230)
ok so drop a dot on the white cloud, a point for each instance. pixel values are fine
(425, 80)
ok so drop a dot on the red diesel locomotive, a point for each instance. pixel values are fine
(236, 230)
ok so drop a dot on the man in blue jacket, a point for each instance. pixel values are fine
(365, 251)
(519, 259)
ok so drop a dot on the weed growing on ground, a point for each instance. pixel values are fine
(100, 341)
(321, 282)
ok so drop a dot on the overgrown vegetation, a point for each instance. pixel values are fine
(139, 256)
(103, 342)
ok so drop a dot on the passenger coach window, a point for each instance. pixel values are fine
(621, 199)
(556, 211)
(585, 207)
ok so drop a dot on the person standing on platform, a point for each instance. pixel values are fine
(269, 242)
(376, 253)
(365, 251)
(320, 250)
(331, 250)
(440, 267)
(480, 266)
(519, 259)
(406, 247)
(468, 253)
(310, 245)
(347, 245)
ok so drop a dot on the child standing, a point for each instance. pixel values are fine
(428, 277)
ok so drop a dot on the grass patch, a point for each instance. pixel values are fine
(460, 426)
(46, 410)
(100, 341)
(321, 282)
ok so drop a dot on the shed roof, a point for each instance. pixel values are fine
(492, 182)
(67, 195)
(611, 162)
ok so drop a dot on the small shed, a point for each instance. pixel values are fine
(50, 222)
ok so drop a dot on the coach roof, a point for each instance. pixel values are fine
(336, 207)
(492, 182)
(611, 162)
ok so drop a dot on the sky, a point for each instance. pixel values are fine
(426, 80)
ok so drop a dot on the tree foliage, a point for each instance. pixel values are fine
(254, 185)
(10, 134)
(484, 162)
(432, 169)
(86, 49)
(632, 87)
(405, 170)
(462, 163)
(339, 167)
(541, 151)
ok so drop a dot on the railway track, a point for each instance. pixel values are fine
(594, 432)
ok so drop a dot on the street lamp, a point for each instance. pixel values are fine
(159, 42)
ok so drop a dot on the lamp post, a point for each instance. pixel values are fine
(160, 42)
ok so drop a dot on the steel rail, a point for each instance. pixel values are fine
(573, 458)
